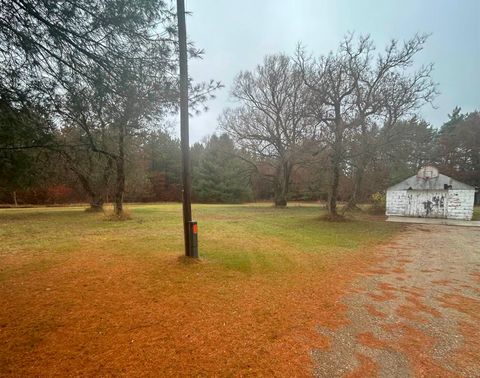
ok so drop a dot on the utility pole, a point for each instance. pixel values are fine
(189, 226)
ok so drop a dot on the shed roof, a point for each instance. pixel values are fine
(433, 183)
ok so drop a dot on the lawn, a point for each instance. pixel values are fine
(81, 295)
(476, 213)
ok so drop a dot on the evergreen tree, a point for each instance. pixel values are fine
(221, 176)
(453, 119)
(458, 147)
(22, 124)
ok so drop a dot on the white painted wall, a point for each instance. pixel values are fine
(460, 204)
(397, 202)
(457, 204)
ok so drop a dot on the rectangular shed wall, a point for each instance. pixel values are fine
(460, 204)
(452, 204)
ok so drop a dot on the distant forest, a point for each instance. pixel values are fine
(223, 173)
(87, 90)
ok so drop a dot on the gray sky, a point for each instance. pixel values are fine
(236, 35)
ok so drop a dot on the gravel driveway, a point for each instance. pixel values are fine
(415, 314)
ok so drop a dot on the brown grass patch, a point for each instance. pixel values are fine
(433, 270)
(411, 313)
(372, 310)
(370, 340)
(376, 271)
(382, 297)
(93, 315)
(420, 306)
(334, 218)
(424, 229)
(404, 261)
(467, 305)
(468, 356)
(476, 276)
(367, 368)
(413, 291)
(386, 287)
(417, 346)
(110, 215)
(386, 295)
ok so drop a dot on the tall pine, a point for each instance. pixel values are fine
(221, 176)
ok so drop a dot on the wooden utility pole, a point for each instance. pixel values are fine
(189, 227)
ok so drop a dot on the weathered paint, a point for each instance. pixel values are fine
(430, 194)
(426, 203)
(451, 204)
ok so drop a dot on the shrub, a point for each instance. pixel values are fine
(379, 203)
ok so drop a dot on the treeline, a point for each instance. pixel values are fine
(152, 171)
(223, 173)
(82, 81)
(88, 87)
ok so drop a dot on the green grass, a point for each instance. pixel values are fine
(476, 213)
(74, 283)
(251, 239)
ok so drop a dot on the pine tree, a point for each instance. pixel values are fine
(221, 176)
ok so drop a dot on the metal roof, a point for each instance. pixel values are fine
(433, 183)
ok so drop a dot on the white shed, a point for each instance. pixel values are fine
(431, 194)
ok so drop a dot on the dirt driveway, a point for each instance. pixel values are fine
(415, 314)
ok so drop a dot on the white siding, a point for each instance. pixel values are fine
(457, 204)
(460, 204)
(397, 202)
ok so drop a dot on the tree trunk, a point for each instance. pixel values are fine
(363, 162)
(336, 161)
(282, 184)
(280, 199)
(96, 204)
(15, 198)
(332, 197)
(106, 180)
(120, 168)
(358, 179)
(96, 200)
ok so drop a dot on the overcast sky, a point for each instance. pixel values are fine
(236, 35)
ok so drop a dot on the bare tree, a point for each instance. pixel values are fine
(89, 52)
(356, 92)
(271, 122)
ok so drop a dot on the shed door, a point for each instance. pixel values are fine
(427, 203)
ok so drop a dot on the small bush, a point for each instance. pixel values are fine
(379, 203)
